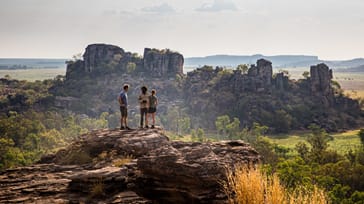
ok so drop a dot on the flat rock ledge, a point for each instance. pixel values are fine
(136, 166)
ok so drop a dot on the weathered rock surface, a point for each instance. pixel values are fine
(320, 82)
(262, 72)
(104, 58)
(160, 63)
(97, 54)
(160, 171)
(193, 171)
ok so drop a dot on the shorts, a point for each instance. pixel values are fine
(143, 111)
(123, 111)
(152, 110)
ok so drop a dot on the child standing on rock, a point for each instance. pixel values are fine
(153, 102)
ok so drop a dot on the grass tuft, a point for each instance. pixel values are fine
(122, 161)
(97, 189)
(250, 185)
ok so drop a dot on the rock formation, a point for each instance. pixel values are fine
(103, 58)
(160, 171)
(320, 82)
(159, 63)
(262, 71)
(258, 96)
(281, 81)
(97, 55)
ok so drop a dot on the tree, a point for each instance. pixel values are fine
(303, 150)
(294, 173)
(282, 121)
(243, 68)
(170, 120)
(201, 135)
(285, 72)
(259, 130)
(130, 67)
(221, 123)
(184, 124)
(233, 128)
(318, 140)
(306, 74)
(361, 136)
(75, 58)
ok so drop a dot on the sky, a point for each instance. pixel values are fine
(331, 29)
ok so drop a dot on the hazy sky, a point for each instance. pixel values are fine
(331, 29)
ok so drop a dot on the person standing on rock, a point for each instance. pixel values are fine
(153, 102)
(123, 102)
(144, 106)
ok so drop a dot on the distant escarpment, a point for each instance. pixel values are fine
(253, 95)
(138, 166)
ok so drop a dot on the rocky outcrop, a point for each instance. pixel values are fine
(157, 171)
(320, 82)
(262, 71)
(162, 63)
(97, 55)
(194, 170)
(281, 81)
(104, 58)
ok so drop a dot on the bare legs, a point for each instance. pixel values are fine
(153, 118)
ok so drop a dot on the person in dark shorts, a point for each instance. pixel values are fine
(123, 102)
(144, 105)
(153, 102)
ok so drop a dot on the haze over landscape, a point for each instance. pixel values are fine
(330, 29)
(251, 101)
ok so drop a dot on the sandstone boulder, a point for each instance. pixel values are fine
(192, 172)
(158, 171)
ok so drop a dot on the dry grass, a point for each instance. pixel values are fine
(315, 196)
(97, 189)
(249, 185)
(355, 94)
(122, 161)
